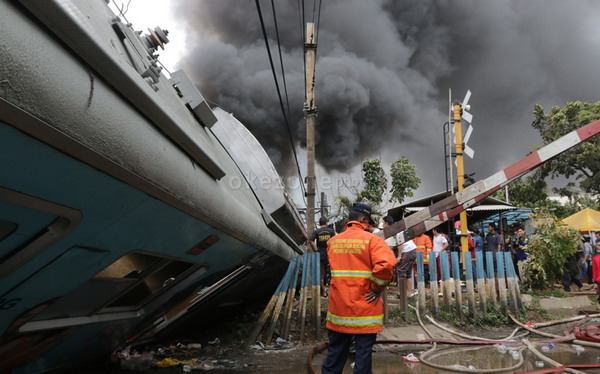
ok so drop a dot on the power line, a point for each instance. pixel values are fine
(318, 20)
(262, 24)
(287, 100)
(303, 33)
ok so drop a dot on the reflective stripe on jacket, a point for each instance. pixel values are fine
(358, 260)
(424, 245)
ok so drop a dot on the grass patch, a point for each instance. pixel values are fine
(548, 293)
(397, 318)
(494, 317)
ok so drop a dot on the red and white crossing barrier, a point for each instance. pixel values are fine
(432, 216)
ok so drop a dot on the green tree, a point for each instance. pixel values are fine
(548, 250)
(579, 202)
(374, 181)
(526, 192)
(581, 162)
(404, 180)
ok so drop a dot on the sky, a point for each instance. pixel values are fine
(384, 72)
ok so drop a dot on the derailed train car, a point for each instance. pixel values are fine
(127, 204)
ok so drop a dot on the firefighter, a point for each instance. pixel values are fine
(425, 246)
(361, 267)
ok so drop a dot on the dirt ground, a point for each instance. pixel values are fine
(222, 349)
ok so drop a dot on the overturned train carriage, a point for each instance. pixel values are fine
(127, 204)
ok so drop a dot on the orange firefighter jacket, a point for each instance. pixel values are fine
(359, 260)
(424, 245)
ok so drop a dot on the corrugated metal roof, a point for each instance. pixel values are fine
(478, 208)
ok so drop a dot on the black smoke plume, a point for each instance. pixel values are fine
(384, 69)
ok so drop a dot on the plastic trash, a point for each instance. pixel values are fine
(501, 348)
(352, 365)
(539, 364)
(187, 368)
(411, 357)
(550, 345)
(259, 346)
(282, 344)
(139, 362)
(215, 341)
(194, 346)
(545, 349)
(578, 349)
(515, 355)
(471, 367)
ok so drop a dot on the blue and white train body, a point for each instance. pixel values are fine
(127, 204)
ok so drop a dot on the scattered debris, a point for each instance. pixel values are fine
(169, 361)
(280, 344)
(258, 346)
(411, 357)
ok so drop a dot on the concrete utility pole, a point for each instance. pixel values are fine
(460, 171)
(310, 112)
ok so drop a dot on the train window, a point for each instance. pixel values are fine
(6, 228)
(165, 274)
(131, 281)
(128, 266)
(29, 225)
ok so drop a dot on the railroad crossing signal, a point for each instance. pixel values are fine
(468, 117)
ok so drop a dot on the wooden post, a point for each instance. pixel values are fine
(469, 280)
(302, 303)
(310, 112)
(278, 305)
(517, 286)
(490, 279)
(402, 292)
(421, 282)
(457, 288)
(513, 283)
(289, 306)
(445, 280)
(433, 283)
(386, 307)
(501, 280)
(481, 281)
(308, 288)
(265, 315)
(317, 294)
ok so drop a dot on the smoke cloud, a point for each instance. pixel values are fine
(383, 72)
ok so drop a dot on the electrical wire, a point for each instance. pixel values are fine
(303, 33)
(264, 31)
(318, 21)
(120, 9)
(281, 60)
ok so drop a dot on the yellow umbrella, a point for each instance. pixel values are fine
(585, 220)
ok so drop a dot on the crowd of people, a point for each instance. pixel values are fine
(357, 266)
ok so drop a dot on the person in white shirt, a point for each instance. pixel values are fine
(439, 241)
(440, 244)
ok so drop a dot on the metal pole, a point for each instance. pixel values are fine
(310, 111)
(460, 171)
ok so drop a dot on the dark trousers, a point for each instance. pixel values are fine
(571, 274)
(337, 352)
